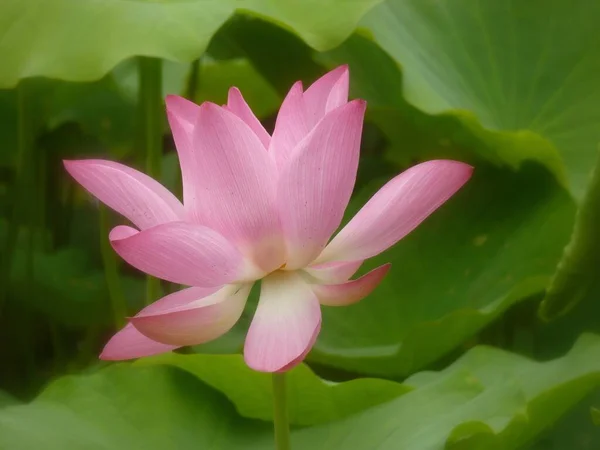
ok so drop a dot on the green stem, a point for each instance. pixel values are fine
(19, 185)
(151, 110)
(111, 273)
(41, 181)
(192, 82)
(280, 413)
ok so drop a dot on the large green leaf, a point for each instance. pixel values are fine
(216, 77)
(489, 399)
(492, 245)
(577, 271)
(526, 70)
(595, 412)
(278, 55)
(414, 134)
(575, 431)
(123, 408)
(499, 401)
(7, 399)
(311, 400)
(81, 41)
(99, 108)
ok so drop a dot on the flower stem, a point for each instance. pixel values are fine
(280, 413)
(150, 73)
(150, 102)
(18, 212)
(192, 81)
(111, 274)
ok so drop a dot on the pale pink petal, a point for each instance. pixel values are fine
(237, 105)
(141, 199)
(182, 115)
(291, 125)
(285, 325)
(333, 272)
(202, 320)
(122, 232)
(397, 209)
(129, 343)
(301, 357)
(316, 184)
(178, 299)
(350, 292)
(326, 94)
(237, 186)
(182, 253)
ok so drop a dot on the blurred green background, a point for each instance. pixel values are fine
(483, 335)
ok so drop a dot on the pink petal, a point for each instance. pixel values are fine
(180, 252)
(141, 199)
(184, 109)
(285, 325)
(237, 105)
(397, 209)
(291, 125)
(326, 94)
(333, 272)
(350, 292)
(129, 343)
(316, 185)
(303, 355)
(122, 232)
(182, 115)
(196, 322)
(236, 186)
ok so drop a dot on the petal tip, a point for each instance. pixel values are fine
(463, 169)
(121, 232)
(234, 90)
(172, 101)
(107, 356)
(174, 98)
(69, 165)
(350, 292)
(344, 71)
(180, 109)
(111, 352)
(209, 106)
(208, 111)
(297, 86)
(360, 103)
(72, 165)
(260, 362)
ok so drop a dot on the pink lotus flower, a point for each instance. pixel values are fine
(259, 207)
